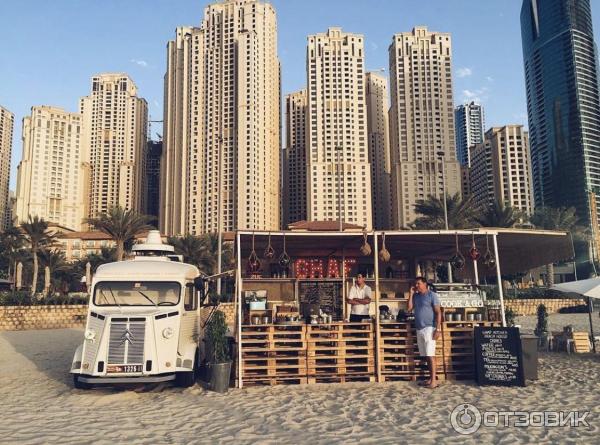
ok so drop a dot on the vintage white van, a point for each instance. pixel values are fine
(143, 320)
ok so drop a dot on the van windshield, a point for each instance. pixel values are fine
(136, 293)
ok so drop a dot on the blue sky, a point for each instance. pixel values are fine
(50, 49)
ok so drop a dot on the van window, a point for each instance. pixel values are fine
(189, 304)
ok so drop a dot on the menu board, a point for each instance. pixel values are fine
(498, 356)
(328, 295)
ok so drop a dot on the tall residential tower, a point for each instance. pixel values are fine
(422, 141)
(470, 124)
(7, 122)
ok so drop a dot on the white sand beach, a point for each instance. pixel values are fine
(40, 406)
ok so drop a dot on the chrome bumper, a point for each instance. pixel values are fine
(116, 380)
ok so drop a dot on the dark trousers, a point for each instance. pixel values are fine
(358, 318)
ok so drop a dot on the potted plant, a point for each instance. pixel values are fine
(218, 356)
(509, 315)
(541, 329)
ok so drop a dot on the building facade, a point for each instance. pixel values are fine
(563, 104)
(221, 157)
(7, 122)
(338, 167)
(379, 149)
(469, 121)
(115, 121)
(422, 140)
(153, 155)
(294, 194)
(53, 175)
(501, 169)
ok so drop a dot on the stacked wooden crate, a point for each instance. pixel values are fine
(457, 344)
(399, 353)
(340, 352)
(273, 354)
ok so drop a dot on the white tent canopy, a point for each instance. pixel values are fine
(589, 288)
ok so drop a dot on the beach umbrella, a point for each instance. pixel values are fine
(19, 278)
(589, 288)
(88, 275)
(46, 279)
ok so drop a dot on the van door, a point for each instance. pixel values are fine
(189, 326)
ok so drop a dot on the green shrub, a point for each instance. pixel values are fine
(216, 339)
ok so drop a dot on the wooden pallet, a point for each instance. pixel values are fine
(271, 381)
(581, 342)
(341, 378)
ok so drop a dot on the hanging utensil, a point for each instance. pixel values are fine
(253, 261)
(384, 254)
(365, 249)
(269, 251)
(284, 258)
(488, 259)
(474, 252)
(457, 260)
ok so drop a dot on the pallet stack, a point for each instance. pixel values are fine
(457, 344)
(399, 353)
(273, 354)
(340, 352)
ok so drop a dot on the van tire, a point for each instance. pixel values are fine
(185, 379)
(80, 385)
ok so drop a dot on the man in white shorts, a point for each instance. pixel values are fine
(428, 322)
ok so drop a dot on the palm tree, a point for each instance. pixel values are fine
(11, 241)
(555, 218)
(60, 270)
(461, 213)
(37, 237)
(122, 226)
(106, 255)
(201, 251)
(501, 215)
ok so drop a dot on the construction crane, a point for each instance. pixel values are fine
(150, 122)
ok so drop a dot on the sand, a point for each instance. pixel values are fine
(40, 406)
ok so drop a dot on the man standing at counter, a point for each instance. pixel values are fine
(428, 322)
(360, 299)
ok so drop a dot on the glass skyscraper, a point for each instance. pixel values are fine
(469, 123)
(561, 75)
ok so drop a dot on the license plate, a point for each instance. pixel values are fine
(123, 369)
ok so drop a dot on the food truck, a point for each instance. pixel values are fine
(143, 320)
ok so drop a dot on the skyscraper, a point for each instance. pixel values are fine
(379, 149)
(501, 169)
(7, 121)
(338, 168)
(294, 177)
(221, 157)
(115, 121)
(53, 175)
(563, 104)
(422, 141)
(153, 155)
(470, 122)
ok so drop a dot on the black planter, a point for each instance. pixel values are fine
(219, 375)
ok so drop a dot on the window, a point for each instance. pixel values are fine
(189, 304)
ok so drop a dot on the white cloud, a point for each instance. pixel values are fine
(479, 95)
(156, 104)
(464, 72)
(139, 62)
(374, 46)
(490, 79)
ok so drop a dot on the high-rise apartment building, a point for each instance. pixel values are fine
(221, 157)
(7, 122)
(53, 175)
(501, 169)
(294, 172)
(563, 103)
(153, 155)
(379, 149)
(469, 121)
(422, 140)
(337, 148)
(115, 122)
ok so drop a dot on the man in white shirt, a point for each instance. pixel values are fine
(360, 299)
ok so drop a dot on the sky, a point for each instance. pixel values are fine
(51, 49)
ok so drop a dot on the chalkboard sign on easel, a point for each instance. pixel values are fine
(498, 356)
(328, 295)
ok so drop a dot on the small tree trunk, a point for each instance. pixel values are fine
(550, 275)
(35, 273)
(120, 249)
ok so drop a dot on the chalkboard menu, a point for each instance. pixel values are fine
(328, 295)
(498, 356)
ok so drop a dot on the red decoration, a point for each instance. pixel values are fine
(315, 267)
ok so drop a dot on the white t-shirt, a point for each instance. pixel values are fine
(357, 292)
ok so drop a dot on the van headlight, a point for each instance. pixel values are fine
(90, 334)
(167, 333)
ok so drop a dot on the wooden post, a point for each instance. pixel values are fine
(475, 271)
(239, 309)
(377, 328)
(499, 279)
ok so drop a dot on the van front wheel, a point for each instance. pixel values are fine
(185, 379)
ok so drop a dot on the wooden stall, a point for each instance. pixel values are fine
(292, 318)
